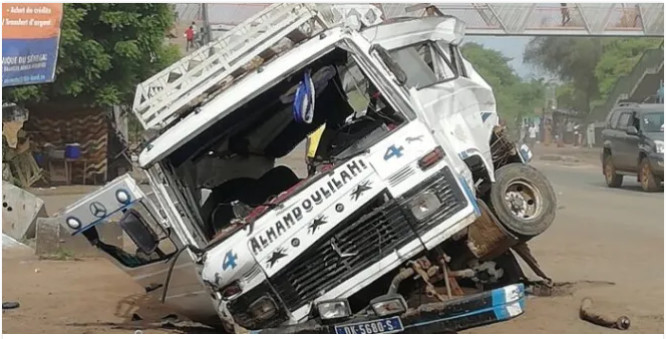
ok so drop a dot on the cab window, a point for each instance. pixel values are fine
(426, 63)
(623, 120)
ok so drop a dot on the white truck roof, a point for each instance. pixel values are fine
(177, 89)
(174, 103)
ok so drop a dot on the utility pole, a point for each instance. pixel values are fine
(205, 23)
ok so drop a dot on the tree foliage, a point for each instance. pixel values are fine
(573, 60)
(588, 66)
(618, 58)
(515, 98)
(105, 50)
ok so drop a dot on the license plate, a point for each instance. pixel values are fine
(387, 325)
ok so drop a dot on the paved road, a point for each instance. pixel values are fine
(604, 235)
(600, 236)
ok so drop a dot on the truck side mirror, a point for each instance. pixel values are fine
(631, 130)
(139, 231)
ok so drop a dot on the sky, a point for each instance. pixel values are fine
(512, 48)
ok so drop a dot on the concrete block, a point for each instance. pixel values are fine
(54, 239)
(20, 210)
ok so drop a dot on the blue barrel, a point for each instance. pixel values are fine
(39, 158)
(72, 151)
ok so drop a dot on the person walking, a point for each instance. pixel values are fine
(195, 32)
(189, 38)
(565, 14)
(590, 135)
(532, 132)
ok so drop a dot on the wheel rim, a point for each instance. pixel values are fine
(523, 200)
(645, 175)
(609, 171)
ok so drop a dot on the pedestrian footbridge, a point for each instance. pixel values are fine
(498, 19)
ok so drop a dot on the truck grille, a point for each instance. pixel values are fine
(369, 235)
(443, 184)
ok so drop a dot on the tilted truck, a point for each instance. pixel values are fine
(411, 220)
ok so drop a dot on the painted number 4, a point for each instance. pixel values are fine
(393, 151)
(230, 261)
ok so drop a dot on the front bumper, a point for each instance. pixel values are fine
(441, 317)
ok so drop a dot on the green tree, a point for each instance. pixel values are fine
(618, 58)
(515, 99)
(105, 50)
(573, 60)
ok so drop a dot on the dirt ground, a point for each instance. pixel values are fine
(607, 243)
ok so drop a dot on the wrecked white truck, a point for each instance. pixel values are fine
(410, 221)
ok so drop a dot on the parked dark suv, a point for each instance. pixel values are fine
(634, 145)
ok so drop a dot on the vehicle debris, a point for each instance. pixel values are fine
(590, 313)
(9, 305)
(406, 221)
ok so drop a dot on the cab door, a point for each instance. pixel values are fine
(459, 108)
(624, 146)
(143, 245)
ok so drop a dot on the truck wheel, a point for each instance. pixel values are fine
(612, 179)
(523, 199)
(649, 182)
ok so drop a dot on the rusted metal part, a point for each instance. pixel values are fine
(541, 289)
(502, 150)
(466, 273)
(455, 287)
(404, 274)
(589, 313)
(444, 267)
(487, 238)
(430, 291)
(524, 252)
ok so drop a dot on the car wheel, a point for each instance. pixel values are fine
(523, 200)
(612, 178)
(649, 182)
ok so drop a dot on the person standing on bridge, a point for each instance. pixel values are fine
(565, 14)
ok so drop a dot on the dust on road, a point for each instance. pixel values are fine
(608, 242)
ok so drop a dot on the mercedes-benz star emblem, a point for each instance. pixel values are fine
(97, 209)
(333, 244)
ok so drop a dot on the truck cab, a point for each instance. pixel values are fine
(410, 152)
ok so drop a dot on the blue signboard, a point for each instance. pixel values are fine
(30, 36)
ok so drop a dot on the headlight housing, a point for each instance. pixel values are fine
(333, 309)
(424, 204)
(263, 308)
(389, 305)
(659, 147)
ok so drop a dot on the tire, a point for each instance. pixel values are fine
(649, 182)
(612, 179)
(523, 200)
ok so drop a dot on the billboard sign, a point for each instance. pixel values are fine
(30, 35)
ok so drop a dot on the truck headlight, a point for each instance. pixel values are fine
(424, 204)
(389, 305)
(659, 147)
(263, 308)
(333, 309)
